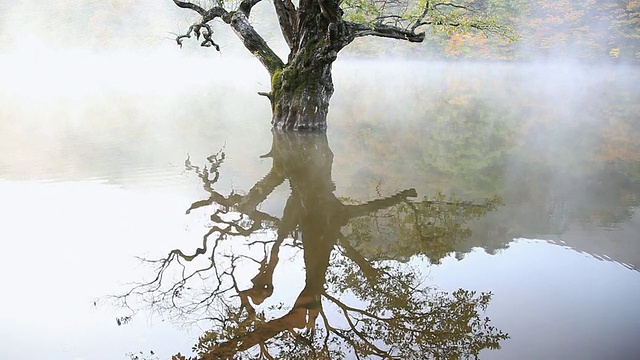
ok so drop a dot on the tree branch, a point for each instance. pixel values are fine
(188, 5)
(297, 318)
(288, 18)
(254, 42)
(238, 20)
(353, 211)
(246, 6)
(385, 31)
(196, 29)
(369, 272)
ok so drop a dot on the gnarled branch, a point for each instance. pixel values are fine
(238, 20)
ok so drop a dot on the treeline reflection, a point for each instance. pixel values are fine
(360, 297)
(562, 156)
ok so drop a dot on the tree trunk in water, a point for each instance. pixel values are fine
(301, 93)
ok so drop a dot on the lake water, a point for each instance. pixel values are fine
(522, 180)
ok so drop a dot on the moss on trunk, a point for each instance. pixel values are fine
(300, 93)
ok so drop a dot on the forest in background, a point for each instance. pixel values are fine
(585, 30)
(560, 29)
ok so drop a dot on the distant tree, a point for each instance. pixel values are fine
(316, 30)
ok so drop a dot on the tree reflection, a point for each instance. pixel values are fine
(359, 298)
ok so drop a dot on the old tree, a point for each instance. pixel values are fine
(316, 30)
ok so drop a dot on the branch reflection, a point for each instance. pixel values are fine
(361, 297)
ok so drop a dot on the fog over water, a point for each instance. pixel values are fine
(96, 128)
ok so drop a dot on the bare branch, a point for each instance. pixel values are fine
(385, 31)
(238, 20)
(195, 28)
(457, 6)
(247, 5)
(254, 42)
(379, 204)
(188, 5)
(287, 17)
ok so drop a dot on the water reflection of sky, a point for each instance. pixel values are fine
(69, 243)
(92, 178)
(557, 303)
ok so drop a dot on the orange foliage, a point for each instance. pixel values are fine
(454, 43)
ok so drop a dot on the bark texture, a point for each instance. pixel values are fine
(301, 92)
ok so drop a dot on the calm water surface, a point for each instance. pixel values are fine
(522, 181)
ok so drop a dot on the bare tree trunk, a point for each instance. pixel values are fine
(301, 92)
(301, 97)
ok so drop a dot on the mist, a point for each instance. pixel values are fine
(101, 110)
(133, 89)
(84, 84)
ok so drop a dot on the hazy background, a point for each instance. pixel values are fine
(101, 90)
(99, 108)
(584, 30)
